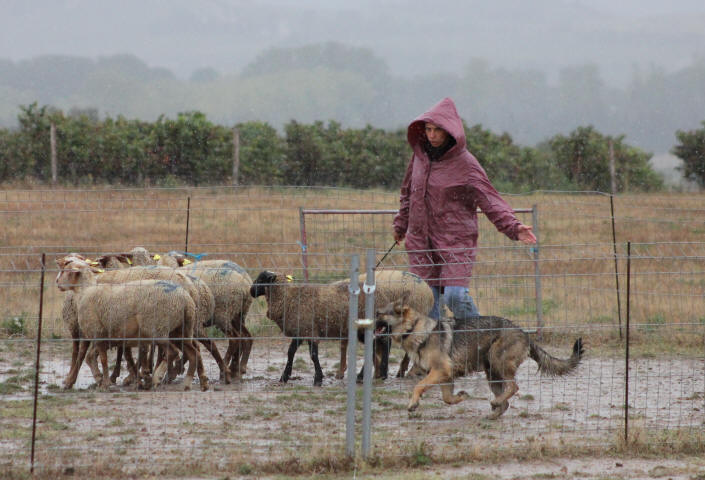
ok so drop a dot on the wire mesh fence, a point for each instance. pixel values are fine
(592, 288)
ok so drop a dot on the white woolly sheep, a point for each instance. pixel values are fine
(154, 310)
(230, 285)
(199, 291)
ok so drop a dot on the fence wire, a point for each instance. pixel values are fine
(256, 423)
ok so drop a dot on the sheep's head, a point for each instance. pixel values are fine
(115, 260)
(263, 281)
(140, 256)
(172, 259)
(73, 272)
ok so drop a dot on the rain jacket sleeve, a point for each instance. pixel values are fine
(493, 205)
(401, 220)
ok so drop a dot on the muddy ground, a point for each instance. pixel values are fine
(561, 427)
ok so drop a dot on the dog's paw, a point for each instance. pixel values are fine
(412, 406)
(498, 410)
(463, 395)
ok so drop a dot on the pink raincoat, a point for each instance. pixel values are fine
(439, 200)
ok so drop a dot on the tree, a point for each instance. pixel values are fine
(583, 156)
(691, 150)
(261, 154)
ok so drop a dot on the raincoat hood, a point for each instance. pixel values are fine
(444, 115)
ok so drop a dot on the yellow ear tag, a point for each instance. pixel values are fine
(93, 262)
(187, 261)
(129, 262)
(289, 278)
(100, 270)
(156, 257)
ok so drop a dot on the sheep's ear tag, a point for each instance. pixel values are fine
(129, 262)
(156, 257)
(289, 278)
(100, 270)
(187, 261)
(93, 262)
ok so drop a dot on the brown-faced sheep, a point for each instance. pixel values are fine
(304, 312)
(152, 310)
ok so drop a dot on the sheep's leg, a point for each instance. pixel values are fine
(343, 358)
(173, 353)
(80, 356)
(194, 364)
(144, 372)
(150, 358)
(382, 347)
(118, 362)
(131, 367)
(293, 346)
(313, 350)
(103, 353)
(211, 347)
(202, 377)
(245, 348)
(232, 355)
(92, 362)
(164, 355)
(231, 358)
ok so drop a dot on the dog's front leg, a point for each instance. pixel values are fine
(434, 377)
(448, 397)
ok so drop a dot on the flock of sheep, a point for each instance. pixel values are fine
(163, 304)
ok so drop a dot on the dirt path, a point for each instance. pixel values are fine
(261, 425)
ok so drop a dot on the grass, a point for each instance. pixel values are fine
(578, 298)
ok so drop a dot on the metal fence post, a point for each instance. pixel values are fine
(537, 272)
(369, 289)
(188, 220)
(352, 354)
(302, 227)
(36, 372)
(616, 267)
(626, 350)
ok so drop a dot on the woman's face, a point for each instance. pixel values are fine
(435, 134)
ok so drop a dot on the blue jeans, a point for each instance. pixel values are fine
(457, 299)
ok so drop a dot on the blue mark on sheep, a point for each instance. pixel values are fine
(231, 266)
(417, 279)
(168, 287)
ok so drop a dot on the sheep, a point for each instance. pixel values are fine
(304, 311)
(230, 285)
(148, 309)
(199, 291)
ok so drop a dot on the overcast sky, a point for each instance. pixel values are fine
(415, 36)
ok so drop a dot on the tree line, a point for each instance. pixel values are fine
(192, 150)
(355, 87)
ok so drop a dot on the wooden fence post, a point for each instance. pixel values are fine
(236, 156)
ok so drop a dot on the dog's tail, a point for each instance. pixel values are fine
(556, 366)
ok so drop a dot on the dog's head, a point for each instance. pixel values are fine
(393, 318)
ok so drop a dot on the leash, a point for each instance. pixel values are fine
(385, 255)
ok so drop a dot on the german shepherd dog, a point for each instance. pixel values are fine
(446, 351)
